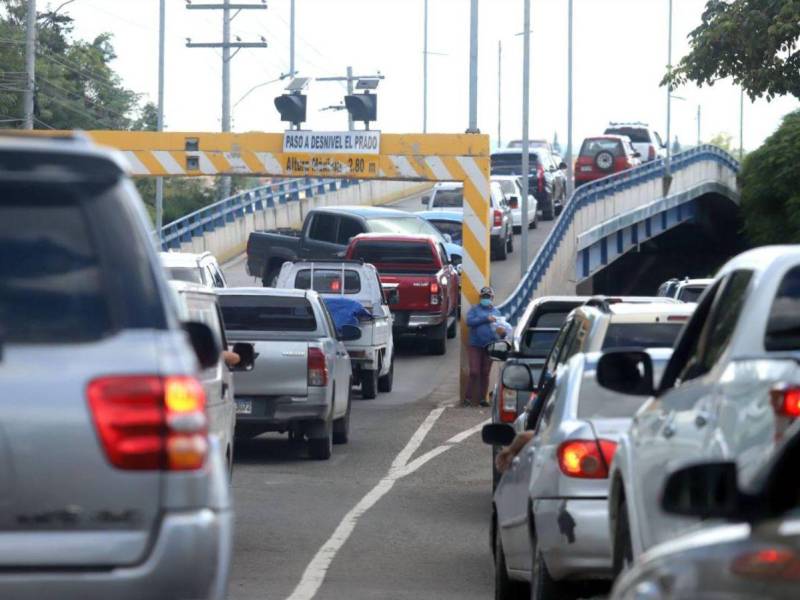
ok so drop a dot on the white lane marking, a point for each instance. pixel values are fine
(315, 572)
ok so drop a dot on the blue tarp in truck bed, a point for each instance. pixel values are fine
(345, 311)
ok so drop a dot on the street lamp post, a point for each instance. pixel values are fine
(570, 165)
(526, 68)
(668, 162)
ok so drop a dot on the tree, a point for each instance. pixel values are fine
(770, 186)
(754, 42)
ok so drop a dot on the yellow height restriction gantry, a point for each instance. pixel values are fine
(354, 154)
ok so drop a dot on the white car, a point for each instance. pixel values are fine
(728, 392)
(645, 139)
(513, 193)
(690, 290)
(202, 269)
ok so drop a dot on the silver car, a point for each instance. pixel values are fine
(751, 550)
(550, 522)
(110, 485)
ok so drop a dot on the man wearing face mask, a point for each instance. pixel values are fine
(480, 321)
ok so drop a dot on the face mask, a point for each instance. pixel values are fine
(486, 302)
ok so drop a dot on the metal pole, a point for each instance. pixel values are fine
(291, 39)
(668, 163)
(499, 91)
(349, 93)
(160, 124)
(425, 71)
(30, 65)
(741, 125)
(473, 67)
(570, 165)
(226, 82)
(526, 73)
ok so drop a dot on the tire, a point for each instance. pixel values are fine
(510, 243)
(341, 426)
(505, 588)
(604, 161)
(295, 436)
(369, 384)
(452, 329)
(385, 382)
(518, 230)
(543, 586)
(438, 345)
(502, 250)
(548, 213)
(271, 278)
(622, 549)
(496, 475)
(322, 448)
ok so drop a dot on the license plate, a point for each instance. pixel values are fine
(244, 407)
(585, 169)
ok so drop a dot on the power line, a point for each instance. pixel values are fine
(84, 98)
(77, 110)
(47, 55)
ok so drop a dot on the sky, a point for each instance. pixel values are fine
(620, 56)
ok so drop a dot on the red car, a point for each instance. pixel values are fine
(422, 284)
(604, 155)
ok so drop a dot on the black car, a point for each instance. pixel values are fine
(547, 180)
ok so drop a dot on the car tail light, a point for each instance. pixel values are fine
(436, 297)
(677, 318)
(651, 152)
(786, 404)
(317, 368)
(586, 459)
(149, 422)
(540, 179)
(507, 404)
(336, 285)
(770, 563)
(498, 218)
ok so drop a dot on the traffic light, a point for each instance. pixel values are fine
(292, 108)
(362, 107)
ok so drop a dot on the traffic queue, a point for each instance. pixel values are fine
(646, 442)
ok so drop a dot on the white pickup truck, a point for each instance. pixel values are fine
(372, 355)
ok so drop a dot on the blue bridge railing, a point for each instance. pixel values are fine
(249, 201)
(593, 192)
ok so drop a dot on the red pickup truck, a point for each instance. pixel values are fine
(424, 286)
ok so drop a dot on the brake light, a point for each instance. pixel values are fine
(317, 368)
(586, 459)
(148, 422)
(540, 179)
(770, 563)
(436, 297)
(786, 401)
(508, 404)
(336, 285)
(677, 318)
(498, 218)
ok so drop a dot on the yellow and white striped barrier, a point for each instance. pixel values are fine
(415, 157)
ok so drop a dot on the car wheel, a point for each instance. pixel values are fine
(385, 382)
(341, 426)
(504, 587)
(496, 475)
(510, 243)
(452, 329)
(622, 550)
(438, 344)
(295, 436)
(543, 586)
(502, 250)
(322, 448)
(369, 383)
(271, 277)
(517, 230)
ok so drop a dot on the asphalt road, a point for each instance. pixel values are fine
(402, 511)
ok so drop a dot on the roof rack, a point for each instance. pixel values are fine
(350, 261)
(602, 302)
(627, 124)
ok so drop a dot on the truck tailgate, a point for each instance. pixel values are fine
(281, 369)
(414, 291)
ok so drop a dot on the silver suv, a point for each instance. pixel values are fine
(110, 485)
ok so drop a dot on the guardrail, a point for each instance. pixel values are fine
(249, 201)
(591, 193)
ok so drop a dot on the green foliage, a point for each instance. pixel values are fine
(754, 42)
(770, 184)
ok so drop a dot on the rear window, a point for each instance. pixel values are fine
(511, 164)
(448, 198)
(452, 228)
(641, 335)
(550, 319)
(691, 293)
(51, 284)
(397, 257)
(267, 313)
(329, 281)
(592, 147)
(509, 187)
(537, 343)
(783, 326)
(185, 274)
(638, 135)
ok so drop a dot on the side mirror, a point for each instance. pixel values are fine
(247, 356)
(517, 377)
(627, 372)
(513, 202)
(562, 165)
(349, 333)
(499, 350)
(497, 434)
(637, 154)
(426, 200)
(706, 490)
(204, 343)
(447, 238)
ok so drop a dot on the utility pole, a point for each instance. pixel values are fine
(668, 163)
(291, 40)
(473, 67)
(699, 115)
(30, 65)
(160, 125)
(570, 162)
(349, 79)
(425, 71)
(499, 91)
(526, 72)
(741, 124)
(226, 46)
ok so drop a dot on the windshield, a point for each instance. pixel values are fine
(509, 187)
(641, 335)
(453, 228)
(638, 135)
(448, 199)
(190, 274)
(404, 225)
(691, 293)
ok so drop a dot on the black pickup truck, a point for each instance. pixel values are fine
(326, 233)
